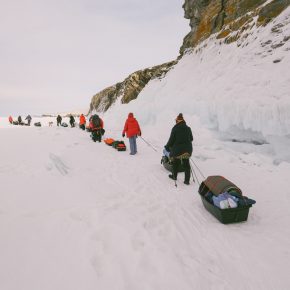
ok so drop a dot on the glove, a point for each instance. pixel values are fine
(166, 148)
(123, 135)
(139, 134)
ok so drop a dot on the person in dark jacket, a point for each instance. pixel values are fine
(72, 121)
(58, 120)
(180, 147)
(28, 118)
(20, 120)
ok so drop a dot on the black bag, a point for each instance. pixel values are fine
(63, 124)
(37, 124)
(168, 164)
(96, 121)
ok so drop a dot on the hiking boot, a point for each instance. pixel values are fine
(186, 182)
(171, 176)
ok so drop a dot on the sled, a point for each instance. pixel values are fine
(119, 145)
(217, 185)
(109, 141)
(168, 165)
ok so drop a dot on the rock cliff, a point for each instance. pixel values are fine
(129, 89)
(228, 20)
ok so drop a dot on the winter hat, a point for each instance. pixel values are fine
(179, 118)
(130, 115)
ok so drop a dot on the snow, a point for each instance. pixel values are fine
(75, 214)
(80, 215)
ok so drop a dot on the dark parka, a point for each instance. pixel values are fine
(180, 140)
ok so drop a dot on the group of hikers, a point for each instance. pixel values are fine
(20, 121)
(177, 150)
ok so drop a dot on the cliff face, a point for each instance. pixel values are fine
(129, 89)
(227, 17)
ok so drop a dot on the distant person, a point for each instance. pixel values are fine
(72, 121)
(97, 128)
(58, 120)
(82, 122)
(28, 118)
(10, 120)
(132, 129)
(180, 147)
(20, 120)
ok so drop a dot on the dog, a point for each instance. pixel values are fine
(50, 124)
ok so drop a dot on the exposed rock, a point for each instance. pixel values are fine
(226, 16)
(272, 10)
(231, 20)
(129, 89)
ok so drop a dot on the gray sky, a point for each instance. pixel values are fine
(56, 54)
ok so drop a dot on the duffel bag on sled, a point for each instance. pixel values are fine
(224, 200)
(119, 145)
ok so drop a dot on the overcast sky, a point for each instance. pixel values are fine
(56, 54)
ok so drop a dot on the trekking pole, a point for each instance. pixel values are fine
(148, 144)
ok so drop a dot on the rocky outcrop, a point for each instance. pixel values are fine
(226, 17)
(272, 10)
(129, 89)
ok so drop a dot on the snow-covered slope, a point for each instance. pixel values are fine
(241, 90)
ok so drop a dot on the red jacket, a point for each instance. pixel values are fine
(131, 127)
(82, 119)
(91, 125)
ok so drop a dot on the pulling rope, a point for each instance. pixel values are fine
(148, 144)
(197, 168)
(193, 172)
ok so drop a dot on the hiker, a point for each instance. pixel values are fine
(180, 147)
(97, 128)
(72, 121)
(10, 120)
(132, 129)
(19, 120)
(58, 120)
(28, 118)
(82, 122)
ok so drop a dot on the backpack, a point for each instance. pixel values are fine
(96, 121)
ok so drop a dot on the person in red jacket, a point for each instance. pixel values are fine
(132, 129)
(97, 128)
(10, 120)
(82, 122)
